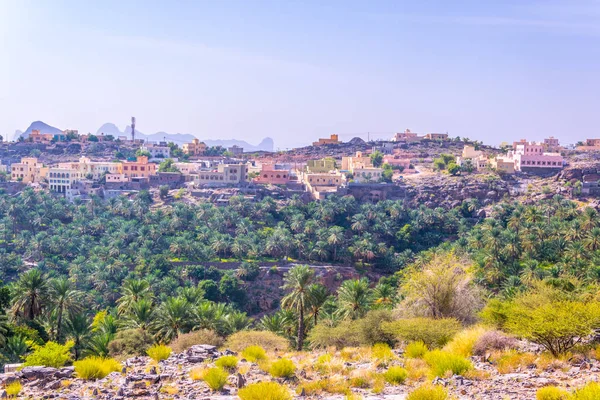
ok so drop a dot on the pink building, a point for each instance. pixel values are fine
(530, 155)
(269, 174)
(396, 161)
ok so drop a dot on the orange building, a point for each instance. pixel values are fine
(140, 168)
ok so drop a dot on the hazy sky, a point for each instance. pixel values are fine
(298, 70)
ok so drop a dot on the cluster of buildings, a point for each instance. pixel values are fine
(524, 156)
(408, 136)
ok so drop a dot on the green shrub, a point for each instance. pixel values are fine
(552, 393)
(556, 325)
(159, 352)
(591, 391)
(13, 389)
(343, 335)
(369, 331)
(283, 368)
(254, 353)
(203, 336)
(428, 392)
(395, 375)
(227, 362)
(51, 354)
(442, 361)
(130, 342)
(433, 332)
(215, 378)
(264, 391)
(92, 368)
(265, 339)
(415, 349)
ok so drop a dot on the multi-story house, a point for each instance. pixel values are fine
(236, 150)
(472, 157)
(530, 156)
(271, 174)
(61, 179)
(86, 168)
(320, 185)
(29, 170)
(407, 135)
(140, 168)
(323, 165)
(224, 175)
(195, 148)
(436, 136)
(160, 150)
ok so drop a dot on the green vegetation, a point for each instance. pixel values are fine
(282, 368)
(552, 393)
(254, 353)
(13, 389)
(227, 362)
(428, 392)
(264, 391)
(159, 352)
(215, 378)
(395, 375)
(49, 355)
(415, 349)
(95, 367)
(443, 361)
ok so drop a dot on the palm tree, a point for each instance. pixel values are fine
(297, 281)
(133, 290)
(78, 329)
(64, 298)
(385, 295)
(317, 296)
(30, 295)
(354, 298)
(172, 317)
(15, 348)
(140, 315)
(335, 238)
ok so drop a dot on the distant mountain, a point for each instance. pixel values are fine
(39, 125)
(180, 138)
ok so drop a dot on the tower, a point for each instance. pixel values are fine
(133, 129)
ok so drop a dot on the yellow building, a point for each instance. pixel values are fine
(436, 136)
(29, 170)
(320, 185)
(504, 163)
(226, 174)
(196, 148)
(357, 161)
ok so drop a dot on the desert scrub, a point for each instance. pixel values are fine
(552, 393)
(13, 389)
(215, 378)
(493, 341)
(283, 368)
(428, 392)
(159, 352)
(337, 385)
(463, 342)
(591, 391)
(265, 339)
(202, 336)
(417, 369)
(510, 360)
(227, 362)
(415, 350)
(254, 353)
(92, 368)
(264, 391)
(382, 352)
(51, 354)
(395, 375)
(197, 373)
(441, 362)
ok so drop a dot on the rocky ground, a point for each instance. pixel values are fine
(141, 378)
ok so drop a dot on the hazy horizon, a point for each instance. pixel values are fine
(297, 71)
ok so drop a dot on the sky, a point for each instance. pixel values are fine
(293, 70)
